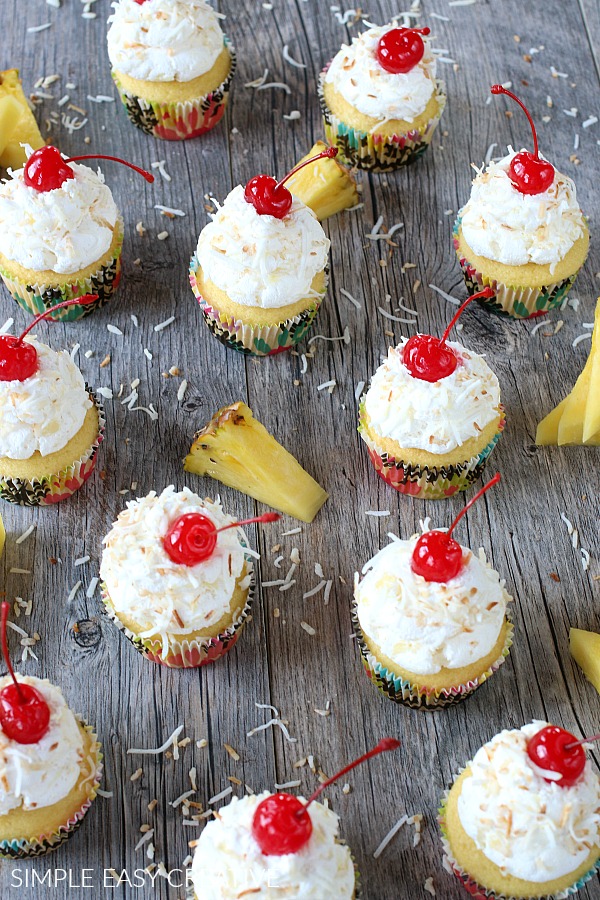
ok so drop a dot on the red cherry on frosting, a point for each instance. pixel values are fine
(281, 823)
(19, 360)
(46, 170)
(528, 173)
(400, 49)
(557, 750)
(192, 537)
(429, 358)
(24, 714)
(437, 556)
(269, 197)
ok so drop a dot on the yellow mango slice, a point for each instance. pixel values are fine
(25, 130)
(585, 650)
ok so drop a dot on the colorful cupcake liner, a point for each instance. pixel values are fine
(35, 298)
(376, 152)
(254, 340)
(427, 482)
(509, 300)
(58, 486)
(38, 845)
(401, 691)
(181, 120)
(480, 893)
(185, 653)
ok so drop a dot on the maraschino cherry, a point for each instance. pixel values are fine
(429, 358)
(46, 170)
(24, 714)
(192, 537)
(19, 360)
(528, 173)
(400, 49)
(281, 822)
(437, 556)
(559, 751)
(269, 197)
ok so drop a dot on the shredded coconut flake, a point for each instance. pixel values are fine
(389, 836)
(167, 744)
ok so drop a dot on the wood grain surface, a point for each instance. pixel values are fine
(134, 703)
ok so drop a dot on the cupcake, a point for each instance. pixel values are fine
(431, 619)
(51, 424)
(172, 65)
(50, 762)
(177, 577)
(380, 98)
(523, 818)
(432, 416)
(521, 232)
(259, 271)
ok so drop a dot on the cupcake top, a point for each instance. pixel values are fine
(228, 861)
(259, 260)
(356, 74)
(144, 583)
(37, 775)
(164, 40)
(435, 416)
(424, 626)
(529, 827)
(44, 411)
(502, 224)
(63, 230)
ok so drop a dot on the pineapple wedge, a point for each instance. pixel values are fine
(236, 449)
(591, 421)
(16, 130)
(325, 186)
(585, 650)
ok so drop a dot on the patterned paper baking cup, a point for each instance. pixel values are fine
(58, 486)
(185, 654)
(401, 691)
(255, 340)
(184, 119)
(427, 482)
(35, 298)
(480, 893)
(373, 151)
(38, 845)
(516, 302)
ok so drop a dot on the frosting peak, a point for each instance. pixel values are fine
(502, 224)
(259, 260)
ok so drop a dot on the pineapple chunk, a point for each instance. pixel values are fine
(325, 186)
(10, 113)
(591, 422)
(570, 427)
(547, 430)
(24, 130)
(585, 650)
(236, 449)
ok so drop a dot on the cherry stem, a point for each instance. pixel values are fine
(329, 153)
(147, 175)
(266, 517)
(383, 745)
(498, 89)
(424, 31)
(86, 298)
(486, 292)
(589, 740)
(5, 653)
(473, 500)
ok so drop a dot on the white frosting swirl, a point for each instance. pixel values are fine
(502, 224)
(424, 626)
(46, 410)
(356, 74)
(37, 775)
(146, 585)
(260, 260)
(63, 230)
(529, 827)
(435, 416)
(228, 861)
(164, 40)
